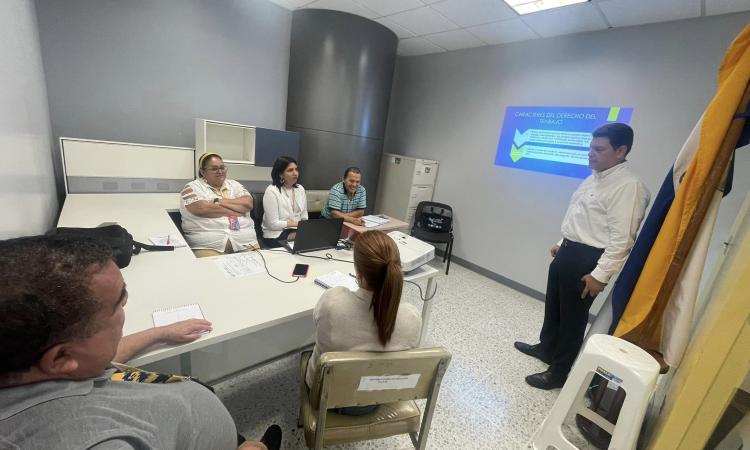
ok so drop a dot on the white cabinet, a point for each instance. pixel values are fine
(235, 143)
(404, 182)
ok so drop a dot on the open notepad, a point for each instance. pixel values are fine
(337, 278)
(168, 316)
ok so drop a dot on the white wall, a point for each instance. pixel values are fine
(450, 107)
(27, 186)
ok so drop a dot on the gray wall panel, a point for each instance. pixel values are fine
(270, 144)
(143, 70)
(334, 153)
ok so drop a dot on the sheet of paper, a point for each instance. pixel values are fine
(168, 239)
(169, 316)
(240, 264)
(374, 221)
(385, 382)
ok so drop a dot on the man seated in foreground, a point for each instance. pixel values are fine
(62, 301)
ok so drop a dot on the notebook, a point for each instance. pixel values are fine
(168, 316)
(337, 278)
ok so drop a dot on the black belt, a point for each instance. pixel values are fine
(574, 244)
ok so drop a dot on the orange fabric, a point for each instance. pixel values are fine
(734, 74)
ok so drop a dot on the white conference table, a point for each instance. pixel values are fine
(255, 318)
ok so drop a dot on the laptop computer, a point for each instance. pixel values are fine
(316, 234)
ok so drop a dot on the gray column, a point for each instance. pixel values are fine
(340, 73)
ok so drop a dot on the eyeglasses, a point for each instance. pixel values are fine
(217, 169)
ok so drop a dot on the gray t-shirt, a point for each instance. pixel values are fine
(101, 414)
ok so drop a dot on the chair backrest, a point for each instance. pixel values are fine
(257, 213)
(369, 378)
(433, 217)
(316, 201)
(177, 220)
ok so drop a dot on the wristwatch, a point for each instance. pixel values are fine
(216, 200)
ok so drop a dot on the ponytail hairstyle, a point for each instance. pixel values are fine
(376, 260)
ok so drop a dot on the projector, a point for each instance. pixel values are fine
(413, 252)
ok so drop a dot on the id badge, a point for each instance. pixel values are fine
(234, 223)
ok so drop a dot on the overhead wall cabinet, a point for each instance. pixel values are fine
(404, 182)
(248, 151)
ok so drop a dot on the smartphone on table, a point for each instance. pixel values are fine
(300, 270)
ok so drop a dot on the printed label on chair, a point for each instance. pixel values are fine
(386, 382)
(609, 375)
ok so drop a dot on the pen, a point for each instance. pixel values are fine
(167, 239)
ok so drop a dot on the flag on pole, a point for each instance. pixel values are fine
(658, 282)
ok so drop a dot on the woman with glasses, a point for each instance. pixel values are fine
(284, 202)
(216, 211)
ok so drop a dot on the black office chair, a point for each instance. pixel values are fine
(177, 220)
(257, 215)
(433, 222)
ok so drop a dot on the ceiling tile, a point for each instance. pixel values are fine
(423, 21)
(400, 31)
(417, 46)
(343, 5)
(388, 7)
(454, 40)
(714, 7)
(565, 20)
(503, 32)
(624, 13)
(429, 2)
(466, 13)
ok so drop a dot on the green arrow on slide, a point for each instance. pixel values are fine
(516, 153)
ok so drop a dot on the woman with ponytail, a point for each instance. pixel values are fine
(372, 318)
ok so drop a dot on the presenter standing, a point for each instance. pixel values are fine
(598, 232)
(347, 199)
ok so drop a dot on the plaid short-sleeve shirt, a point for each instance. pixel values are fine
(339, 200)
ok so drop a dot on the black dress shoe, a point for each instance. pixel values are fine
(532, 350)
(546, 380)
(272, 437)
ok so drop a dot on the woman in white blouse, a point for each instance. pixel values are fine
(284, 202)
(216, 211)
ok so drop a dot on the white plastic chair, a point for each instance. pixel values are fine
(622, 364)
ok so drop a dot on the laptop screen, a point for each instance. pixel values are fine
(317, 234)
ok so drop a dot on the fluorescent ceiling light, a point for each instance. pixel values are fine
(530, 6)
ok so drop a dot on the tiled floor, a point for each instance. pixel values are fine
(484, 402)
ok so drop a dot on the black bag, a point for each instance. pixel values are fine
(436, 219)
(120, 241)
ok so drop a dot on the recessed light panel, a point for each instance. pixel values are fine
(531, 6)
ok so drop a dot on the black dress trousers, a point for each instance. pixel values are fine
(565, 312)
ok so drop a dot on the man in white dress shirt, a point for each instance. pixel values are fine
(598, 232)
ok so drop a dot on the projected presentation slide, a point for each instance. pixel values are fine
(552, 139)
